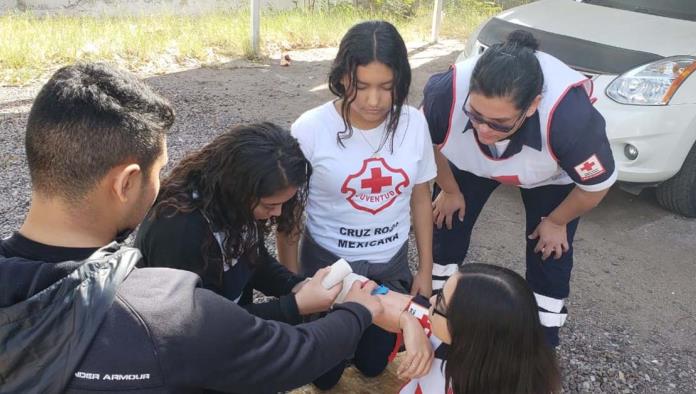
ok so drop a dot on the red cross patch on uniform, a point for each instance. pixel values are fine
(375, 186)
(508, 179)
(590, 168)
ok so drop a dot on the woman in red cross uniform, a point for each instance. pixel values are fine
(517, 116)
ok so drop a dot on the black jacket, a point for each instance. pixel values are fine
(185, 241)
(93, 326)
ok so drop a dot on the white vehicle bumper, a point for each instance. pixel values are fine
(663, 135)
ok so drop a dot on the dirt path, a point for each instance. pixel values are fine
(632, 325)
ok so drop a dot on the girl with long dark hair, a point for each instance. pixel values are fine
(372, 160)
(486, 333)
(214, 210)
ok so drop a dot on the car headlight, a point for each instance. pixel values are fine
(653, 83)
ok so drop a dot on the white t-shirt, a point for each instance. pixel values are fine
(359, 202)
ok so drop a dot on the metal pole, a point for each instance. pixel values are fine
(255, 29)
(437, 18)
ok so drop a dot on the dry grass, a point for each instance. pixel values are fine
(353, 382)
(38, 45)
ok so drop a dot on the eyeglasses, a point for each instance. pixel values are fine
(478, 119)
(439, 300)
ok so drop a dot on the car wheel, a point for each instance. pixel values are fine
(678, 194)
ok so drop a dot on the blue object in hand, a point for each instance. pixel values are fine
(381, 290)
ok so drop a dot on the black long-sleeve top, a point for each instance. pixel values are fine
(185, 241)
(162, 333)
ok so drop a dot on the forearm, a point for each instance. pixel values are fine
(445, 178)
(394, 304)
(422, 211)
(261, 356)
(282, 309)
(272, 278)
(287, 247)
(576, 204)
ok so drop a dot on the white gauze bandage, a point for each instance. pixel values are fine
(341, 272)
(347, 283)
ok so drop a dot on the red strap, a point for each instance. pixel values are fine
(424, 321)
(397, 346)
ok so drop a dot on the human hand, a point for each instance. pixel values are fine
(312, 297)
(419, 350)
(299, 285)
(444, 207)
(553, 239)
(422, 284)
(394, 304)
(362, 294)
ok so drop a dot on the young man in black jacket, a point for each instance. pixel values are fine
(75, 316)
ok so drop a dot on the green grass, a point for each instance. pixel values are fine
(38, 45)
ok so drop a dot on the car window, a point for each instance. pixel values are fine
(678, 9)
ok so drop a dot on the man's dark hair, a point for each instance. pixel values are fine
(87, 119)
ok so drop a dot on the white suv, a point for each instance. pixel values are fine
(641, 56)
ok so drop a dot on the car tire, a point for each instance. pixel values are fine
(678, 194)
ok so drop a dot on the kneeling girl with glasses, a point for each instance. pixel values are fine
(486, 333)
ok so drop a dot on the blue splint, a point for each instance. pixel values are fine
(381, 290)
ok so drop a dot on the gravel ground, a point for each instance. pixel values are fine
(632, 327)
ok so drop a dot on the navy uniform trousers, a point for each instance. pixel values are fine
(549, 279)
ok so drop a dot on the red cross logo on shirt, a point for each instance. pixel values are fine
(590, 168)
(588, 165)
(508, 179)
(376, 182)
(375, 186)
